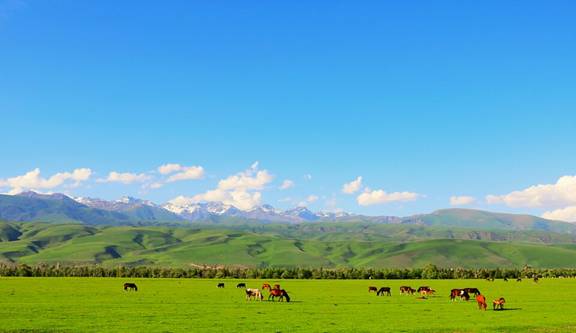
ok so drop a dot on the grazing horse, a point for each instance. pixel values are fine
(130, 286)
(498, 304)
(519, 280)
(425, 290)
(505, 280)
(462, 293)
(253, 294)
(220, 285)
(474, 291)
(279, 293)
(384, 290)
(266, 286)
(481, 300)
(241, 285)
(372, 289)
(536, 279)
(407, 290)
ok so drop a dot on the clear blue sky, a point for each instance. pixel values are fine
(442, 98)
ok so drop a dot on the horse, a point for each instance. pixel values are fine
(277, 286)
(372, 289)
(474, 291)
(498, 304)
(505, 280)
(407, 290)
(253, 294)
(462, 293)
(425, 290)
(519, 280)
(241, 285)
(266, 286)
(481, 300)
(220, 285)
(536, 279)
(384, 290)
(130, 286)
(278, 293)
(490, 279)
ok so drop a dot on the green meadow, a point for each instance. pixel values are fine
(307, 245)
(192, 305)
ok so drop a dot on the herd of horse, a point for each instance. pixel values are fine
(277, 292)
(257, 294)
(463, 294)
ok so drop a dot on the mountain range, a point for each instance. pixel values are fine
(32, 206)
(56, 228)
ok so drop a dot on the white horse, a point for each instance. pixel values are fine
(253, 294)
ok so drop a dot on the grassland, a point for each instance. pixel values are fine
(187, 305)
(323, 245)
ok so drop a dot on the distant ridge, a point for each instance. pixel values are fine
(32, 206)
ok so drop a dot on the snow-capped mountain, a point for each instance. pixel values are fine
(182, 208)
(194, 211)
(116, 205)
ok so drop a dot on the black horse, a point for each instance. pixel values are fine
(130, 286)
(241, 285)
(220, 285)
(384, 290)
(474, 291)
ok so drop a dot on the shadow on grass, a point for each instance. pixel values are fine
(508, 309)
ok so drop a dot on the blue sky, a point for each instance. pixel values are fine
(423, 100)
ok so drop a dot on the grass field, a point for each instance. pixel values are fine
(190, 305)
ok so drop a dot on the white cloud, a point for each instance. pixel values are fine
(240, 199)
(462, 200)
(187, 173)
(125, 178)
(378, 197)
(286, 184)
(33, 180)
(353, 186)
(567, 214)
(562, 193)
(169, 168)
(251, 179)
(312, 198)
(239, 190)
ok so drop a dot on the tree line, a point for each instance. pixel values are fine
(208, 272)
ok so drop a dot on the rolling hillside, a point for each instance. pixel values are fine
(326, 245)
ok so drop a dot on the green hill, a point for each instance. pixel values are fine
(310, 245)
(477, 219)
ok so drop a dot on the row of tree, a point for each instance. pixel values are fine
(428, 272)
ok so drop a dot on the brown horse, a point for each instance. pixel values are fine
(498, 304)
(241, 285)
(462, 293)
(277, 286)
(130, 286)
(266, 286)
(407, 290)
(425, 291)
(220, 285)
(384, 290)
(372, 289)
(481, 300)
(279, 293)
